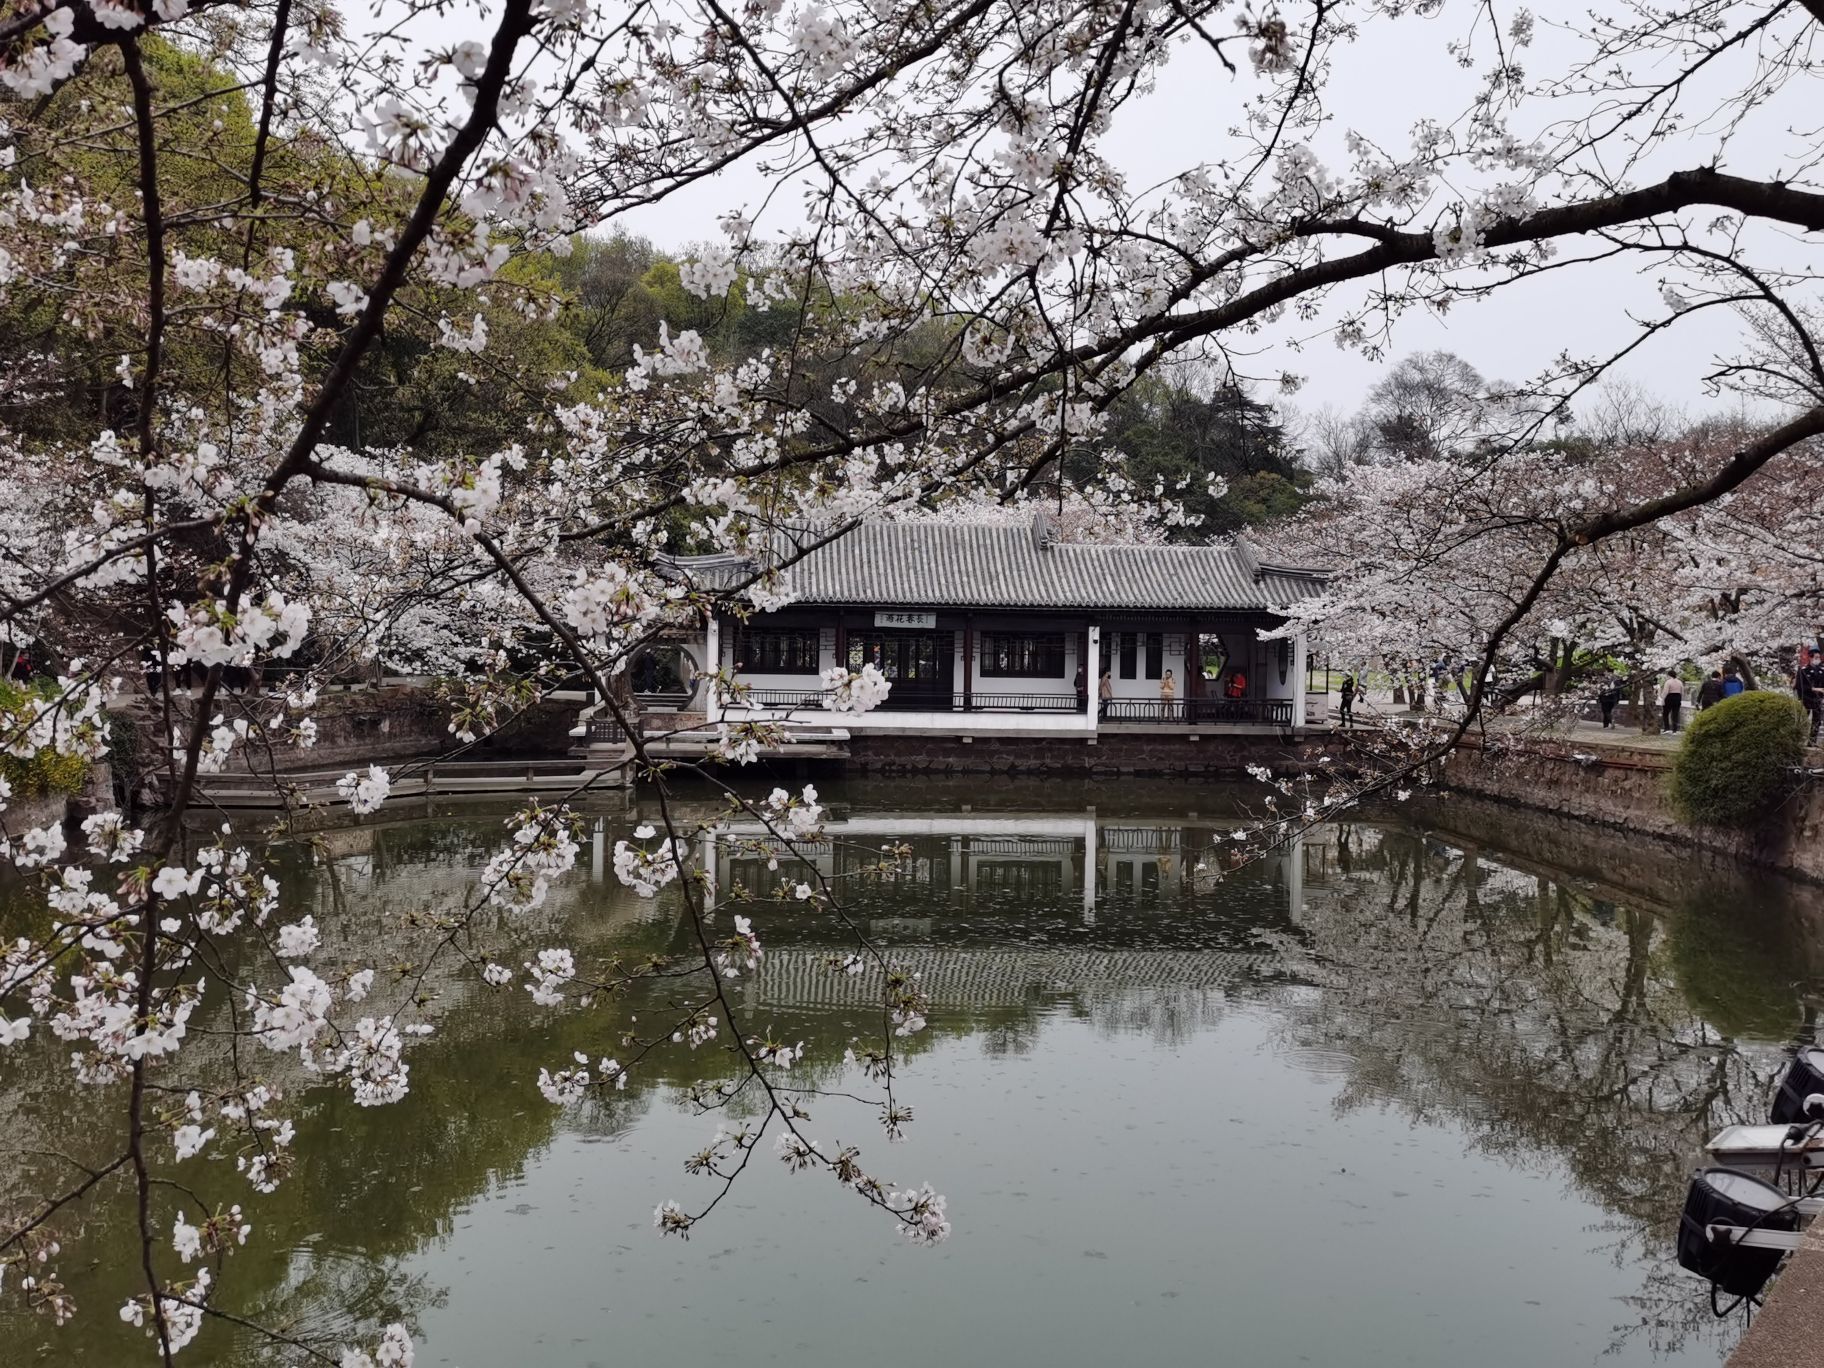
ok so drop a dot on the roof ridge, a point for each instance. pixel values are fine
(1143, 546)
(1245, 554)
(1003, 565)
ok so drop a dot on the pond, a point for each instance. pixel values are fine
(1402, 1094)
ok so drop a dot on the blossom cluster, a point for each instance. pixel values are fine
(544, 848)
(855, 691)
(647, 870)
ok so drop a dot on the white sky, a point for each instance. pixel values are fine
(1394, 75)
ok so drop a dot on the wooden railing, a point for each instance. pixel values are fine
(604, 731)
(1022, 702)
(1272, 712)
(776, 698)
(917, 700)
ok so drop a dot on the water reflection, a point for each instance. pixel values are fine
(1394, 1096)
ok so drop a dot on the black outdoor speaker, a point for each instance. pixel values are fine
(1721, 1196)
(1804, 1079)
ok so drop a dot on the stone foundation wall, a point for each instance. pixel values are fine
(354, 728)
(1166, 756)
(1650, 868)
(1625, 791)
(46, 809)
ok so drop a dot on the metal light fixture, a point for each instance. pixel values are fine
(1801, 1094)
(1735, 1229)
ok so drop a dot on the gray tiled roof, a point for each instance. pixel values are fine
(974, 566)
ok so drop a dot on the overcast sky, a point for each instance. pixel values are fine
(1385, 82)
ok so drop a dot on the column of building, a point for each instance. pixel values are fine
(1092, 672)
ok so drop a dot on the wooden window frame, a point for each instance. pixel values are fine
(1030, 655)
(781, 651)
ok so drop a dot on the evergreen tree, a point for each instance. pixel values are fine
(1183, 438)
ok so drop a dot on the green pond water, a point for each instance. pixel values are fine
(1395, 1096)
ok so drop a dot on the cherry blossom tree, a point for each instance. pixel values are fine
(275, 276)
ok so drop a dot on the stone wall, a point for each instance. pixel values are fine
(1640, 868)
(1788, 1331)
(46, 809)
(1625, 790)
(357, 727)
(1109, 756)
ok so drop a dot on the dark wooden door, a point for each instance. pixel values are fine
(920, 665)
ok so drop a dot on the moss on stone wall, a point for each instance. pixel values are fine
(45, 773)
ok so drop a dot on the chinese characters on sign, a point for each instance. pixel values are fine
(885, 618)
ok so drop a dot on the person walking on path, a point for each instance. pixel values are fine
(1105, 691)
(1710, 692)
(1671, 701)
(1608, 698)
(1434, 691)
(1733, 683)
(1808, 684)
(1346, 715)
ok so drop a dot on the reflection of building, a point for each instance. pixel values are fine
(979, 977)
(1041, 858)
(1005, 631)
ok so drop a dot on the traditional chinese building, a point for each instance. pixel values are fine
(1000, 630)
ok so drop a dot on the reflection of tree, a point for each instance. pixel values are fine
(331, 1297)
(1550, 1025)
(1167, 1016)
(372, 1185)
(1015, 1037)
(1556, 1027)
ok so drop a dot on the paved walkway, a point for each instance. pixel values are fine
(1789, 1331)
(1379, 706)
(1581, 733)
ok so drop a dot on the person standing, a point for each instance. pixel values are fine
(1440, 676)
(1608, 698)
(1347, 694)
(1168, 695)
(1710, 692)
(1081, 687)
(1105, 691)
(1808, 684)
(1671, 701)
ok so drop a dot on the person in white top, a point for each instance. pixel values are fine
(1671, 701)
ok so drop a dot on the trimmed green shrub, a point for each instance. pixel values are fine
(1735, 765)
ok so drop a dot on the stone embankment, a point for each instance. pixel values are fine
(24, 812)
(1112, 755)
(356, 727)
(1573, 791)
(1789, 1331)
(1623, 787)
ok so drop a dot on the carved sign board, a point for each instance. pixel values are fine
(885, 618)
